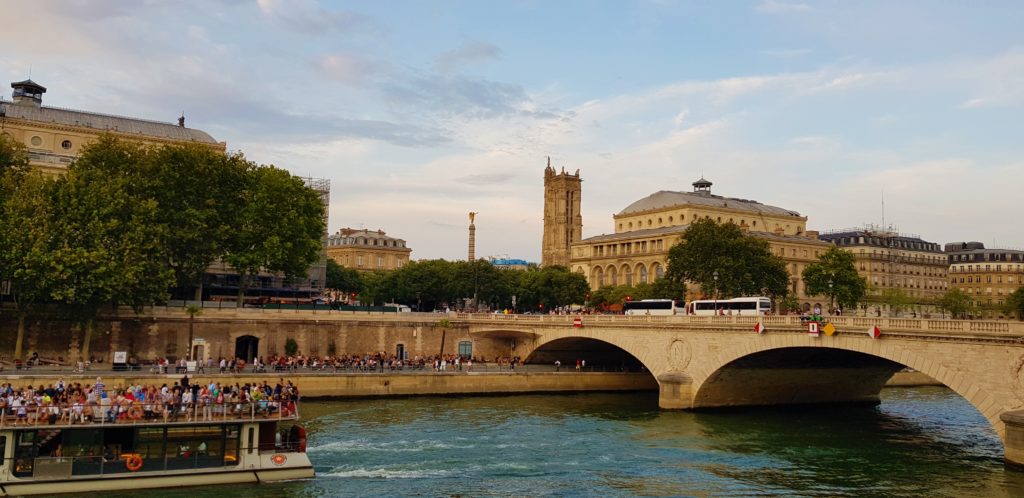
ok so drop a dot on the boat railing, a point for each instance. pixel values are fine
(135, 413)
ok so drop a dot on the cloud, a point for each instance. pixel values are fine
(777, 7)
(471, 52)
(305, 16)
(345, 68)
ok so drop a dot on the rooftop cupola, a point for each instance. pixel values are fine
(702, 187)
(28, 92)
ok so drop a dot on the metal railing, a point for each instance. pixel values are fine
(100, 415)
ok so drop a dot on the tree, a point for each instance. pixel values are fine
(1015, 303)
(343, 279)
(957, 302)
(835, 275)
(743, 264)
(277, 229)
(198, 193)
(108, 244)
(550, 287)
(13, 156)
(26, 246)
(897, 300)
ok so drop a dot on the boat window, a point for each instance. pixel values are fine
(3, 450)
(192, 447)
(251, 440)
(24, 453)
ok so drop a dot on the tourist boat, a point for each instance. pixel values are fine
(138, 449)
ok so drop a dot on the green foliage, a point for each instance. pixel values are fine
(108, 244)
(277, 228)
(789, 303)
(291, 347)
(26, 246)
(837, 267)
(610, 295)
(744, 264)
(1015, 303)
(957, 303)
(13, 156)
(198, 193)
(550, 287)
(343, 279)
(896, 299)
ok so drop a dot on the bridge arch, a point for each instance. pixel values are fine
(584, 341)
(712, 379)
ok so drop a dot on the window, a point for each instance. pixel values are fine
(466, 349)
(66, 145)
(37, 141)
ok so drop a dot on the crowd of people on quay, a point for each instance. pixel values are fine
(73, 403)
(366, 362)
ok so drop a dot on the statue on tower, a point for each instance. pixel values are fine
(472, 215)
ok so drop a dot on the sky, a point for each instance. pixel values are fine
(420, 112)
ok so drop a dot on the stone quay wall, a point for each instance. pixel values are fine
(159, 333)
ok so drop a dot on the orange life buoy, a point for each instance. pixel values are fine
(133, 463)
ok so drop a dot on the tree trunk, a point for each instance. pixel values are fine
(20, 341)
(87, 327)
(199, 290)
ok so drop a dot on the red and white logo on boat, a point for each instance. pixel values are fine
(279, 459)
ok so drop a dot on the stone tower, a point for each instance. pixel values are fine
(563, 223)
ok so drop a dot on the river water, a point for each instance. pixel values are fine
(925, 441)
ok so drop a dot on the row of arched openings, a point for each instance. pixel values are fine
(627, 274)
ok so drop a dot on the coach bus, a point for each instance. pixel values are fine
(652, 307)
(735, 306)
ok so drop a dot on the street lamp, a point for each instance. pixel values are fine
(714, 290)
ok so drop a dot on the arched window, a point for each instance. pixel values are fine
(627, 274)
(642, 270)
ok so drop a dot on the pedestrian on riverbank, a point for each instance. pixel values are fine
(558, 365)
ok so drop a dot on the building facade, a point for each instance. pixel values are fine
(54, 136)
(645, 231)
(987, 275)
(367, 250)
(891, 260)
(563, 222)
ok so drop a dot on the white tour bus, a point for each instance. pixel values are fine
(651, 307)
(735, 306)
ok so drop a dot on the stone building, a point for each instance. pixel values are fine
(563, 223)
(987, 275)
(645, 231)
(367, 250)
(891, 260)
(54, 135)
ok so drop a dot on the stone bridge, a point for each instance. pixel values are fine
(719, 361)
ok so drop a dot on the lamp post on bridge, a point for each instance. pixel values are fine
(714, 290)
